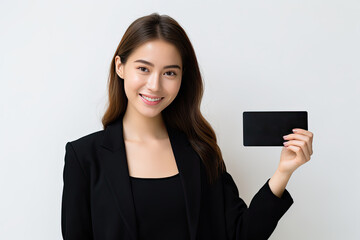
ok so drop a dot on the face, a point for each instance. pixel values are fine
(152, 77)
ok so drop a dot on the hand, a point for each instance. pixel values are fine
(296, 151)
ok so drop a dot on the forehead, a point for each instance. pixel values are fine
(158, 52)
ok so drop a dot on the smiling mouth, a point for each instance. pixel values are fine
(151, 99)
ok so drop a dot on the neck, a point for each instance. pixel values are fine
(139, 128)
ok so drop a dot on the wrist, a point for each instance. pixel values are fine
(278, 182)
(284, 173)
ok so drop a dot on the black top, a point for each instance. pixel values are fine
(160, 208)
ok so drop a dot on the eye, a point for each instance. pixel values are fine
(142, 69)
(171, 73)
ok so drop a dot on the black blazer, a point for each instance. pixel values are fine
(97, 199)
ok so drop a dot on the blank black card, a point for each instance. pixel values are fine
(267, 128)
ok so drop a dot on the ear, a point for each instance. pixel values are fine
(119, 67)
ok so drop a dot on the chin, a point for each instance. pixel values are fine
(150, 114)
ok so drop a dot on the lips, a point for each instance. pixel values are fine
(149, 96)
(148, 102)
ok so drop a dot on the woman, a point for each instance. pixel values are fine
(155, 171)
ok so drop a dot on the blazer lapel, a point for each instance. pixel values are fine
(114, 163)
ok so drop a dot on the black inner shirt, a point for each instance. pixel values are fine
(160, 208)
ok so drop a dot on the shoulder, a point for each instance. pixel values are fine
(84, 150)
(87, 142)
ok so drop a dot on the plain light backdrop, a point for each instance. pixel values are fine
(254, 56)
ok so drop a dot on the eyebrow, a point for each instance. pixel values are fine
(151, 64)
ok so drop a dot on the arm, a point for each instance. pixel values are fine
(75, 210)
(270, 203)
(257, 221)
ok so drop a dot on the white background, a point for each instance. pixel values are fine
(254, 56)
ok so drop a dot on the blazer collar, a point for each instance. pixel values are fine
(116, 173)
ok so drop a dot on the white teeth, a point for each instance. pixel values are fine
(151, 99)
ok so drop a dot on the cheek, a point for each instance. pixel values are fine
(172, 88)
(132, 84)
(175, 87)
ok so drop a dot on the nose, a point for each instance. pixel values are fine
(154, 82)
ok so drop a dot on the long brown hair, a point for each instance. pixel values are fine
(184, 112)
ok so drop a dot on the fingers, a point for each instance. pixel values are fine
(304, 135)
(300, 144)
(302, 140)
(299, 153)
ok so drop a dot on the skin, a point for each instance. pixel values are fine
(141, 121)
(144, 126)
(297, 150)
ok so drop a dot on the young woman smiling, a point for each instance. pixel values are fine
(155, 171)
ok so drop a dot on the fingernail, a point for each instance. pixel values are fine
(294, 130)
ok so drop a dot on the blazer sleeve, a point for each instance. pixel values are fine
(257, 221)
(75, 210)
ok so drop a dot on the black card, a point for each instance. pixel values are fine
(268, 128)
